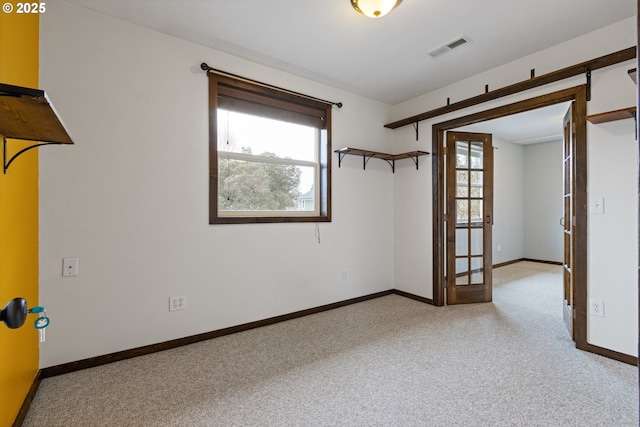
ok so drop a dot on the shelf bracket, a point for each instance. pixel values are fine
(416, 126)
(365, 160)
(4, 152)
(340, 157)
(415, 160)
(391, 163)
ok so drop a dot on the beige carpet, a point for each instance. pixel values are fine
(390, 361)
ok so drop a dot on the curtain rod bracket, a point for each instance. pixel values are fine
(209, 69)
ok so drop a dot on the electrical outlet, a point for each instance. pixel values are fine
(596, 308)
(177, 303)
(343, 274)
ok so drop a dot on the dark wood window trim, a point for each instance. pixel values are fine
(259, 99)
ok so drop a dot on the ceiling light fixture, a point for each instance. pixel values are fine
(375, 8)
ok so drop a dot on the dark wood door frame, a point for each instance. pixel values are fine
(576, 94)
(638, 139)
(568, 207)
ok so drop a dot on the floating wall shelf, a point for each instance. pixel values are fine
(610, 116)
(389, 158)
(633, 75)
(27, 114)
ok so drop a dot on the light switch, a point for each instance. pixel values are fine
(70, 266)
(597, 205)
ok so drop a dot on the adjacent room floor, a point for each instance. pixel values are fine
(390, 361)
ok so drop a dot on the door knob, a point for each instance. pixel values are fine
(14, 313)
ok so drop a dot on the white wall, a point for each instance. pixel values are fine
(543, 201)
(412, 227)
(130, 199)
(613, 245)
(508, 201)
(611, 89)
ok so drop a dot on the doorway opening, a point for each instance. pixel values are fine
(578, 280)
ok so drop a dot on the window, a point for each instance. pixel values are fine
(269, 154)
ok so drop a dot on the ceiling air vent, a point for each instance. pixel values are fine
(459, 41)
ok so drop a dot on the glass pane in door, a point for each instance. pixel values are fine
(477, 270)
(476, 156)
(477, 242)
(462, 242)
(462, 154)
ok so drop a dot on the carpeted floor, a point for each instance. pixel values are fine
(391, 361)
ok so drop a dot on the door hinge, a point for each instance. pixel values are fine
(444, 150)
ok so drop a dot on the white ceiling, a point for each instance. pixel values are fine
(384, 59)
(531, 127)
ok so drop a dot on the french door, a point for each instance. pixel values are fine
(469, 217)
(569, 219)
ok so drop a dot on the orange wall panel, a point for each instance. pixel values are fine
(19, 40)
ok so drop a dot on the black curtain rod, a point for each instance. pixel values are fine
(209, 69)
